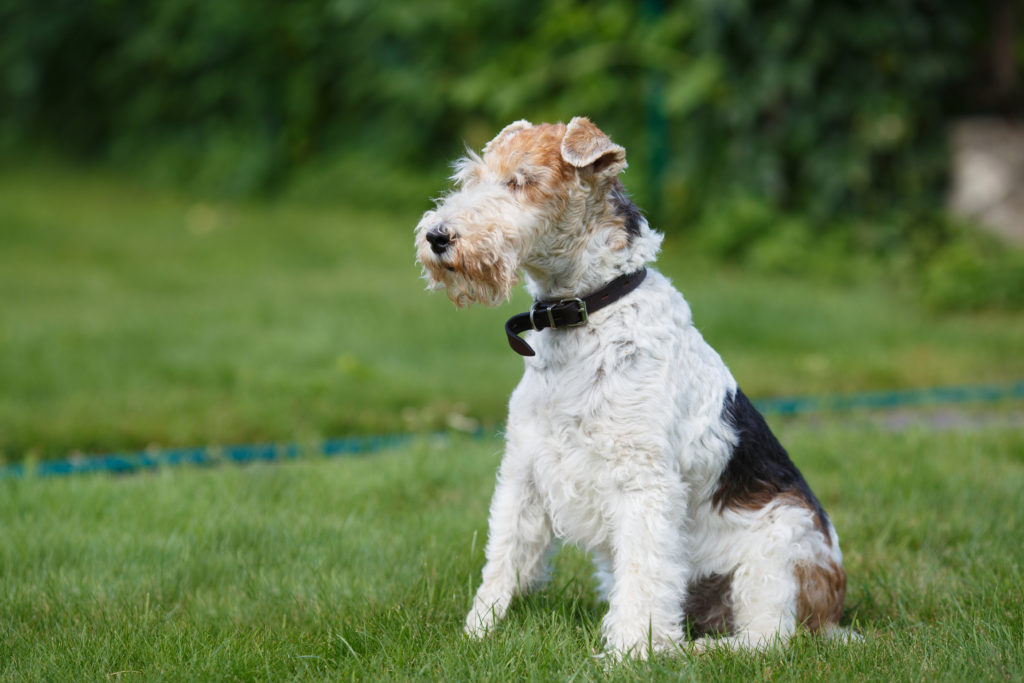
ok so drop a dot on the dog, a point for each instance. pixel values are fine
(627, 434)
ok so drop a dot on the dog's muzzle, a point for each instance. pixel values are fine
(439, 238)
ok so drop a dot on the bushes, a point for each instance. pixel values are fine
(807, 104)
(950, 266)
(808, 108)
(972, 273)
(268, 86)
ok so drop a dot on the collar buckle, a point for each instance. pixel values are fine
(581, 310)
(565, 308)
(572, 312)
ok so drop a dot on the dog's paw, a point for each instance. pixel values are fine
(488, 609)
(701, 645)
(843, 635)
(475, 631)
(611, 656)
(478, 624)
(617, 649)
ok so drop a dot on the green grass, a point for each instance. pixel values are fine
(363, 569)
(135, 316)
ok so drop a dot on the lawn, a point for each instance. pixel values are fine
(359, 569)
(133, 316)
(137, 317)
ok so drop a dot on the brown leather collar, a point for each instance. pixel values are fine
(568, 312)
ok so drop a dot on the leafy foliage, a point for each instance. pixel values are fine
(974, 272)
(808, 104)
(833, 113)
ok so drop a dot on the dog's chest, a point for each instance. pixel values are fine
(617, 413)
(587, 443)
(576, 485)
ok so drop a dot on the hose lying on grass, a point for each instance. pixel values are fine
(150, 459)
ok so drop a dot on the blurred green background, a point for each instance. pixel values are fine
(806, 105)
(206, 238)
(206, 208)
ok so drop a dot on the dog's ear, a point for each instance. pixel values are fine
(508, 130)
(584, 145)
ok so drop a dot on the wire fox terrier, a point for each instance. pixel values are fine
(627, 434)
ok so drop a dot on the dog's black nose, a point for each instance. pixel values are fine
(439, 239)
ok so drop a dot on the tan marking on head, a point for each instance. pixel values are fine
(821, 590)
(508, 130)
(530, 161)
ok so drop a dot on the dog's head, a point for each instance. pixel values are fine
(544, 198)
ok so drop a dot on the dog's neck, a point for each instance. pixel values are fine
(577, 269)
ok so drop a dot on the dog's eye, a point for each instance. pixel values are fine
(518, 183)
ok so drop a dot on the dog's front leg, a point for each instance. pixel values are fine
(649, 568)
(518, 538)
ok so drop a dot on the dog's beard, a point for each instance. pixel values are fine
(485, 279)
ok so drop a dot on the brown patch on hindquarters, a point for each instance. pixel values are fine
(822, 589)
(707, 605)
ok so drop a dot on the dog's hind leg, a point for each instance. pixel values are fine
(519, 536)
(763, 603)
(790, 575)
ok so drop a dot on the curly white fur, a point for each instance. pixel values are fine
(616, 437)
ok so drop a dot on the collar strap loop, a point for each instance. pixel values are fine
(568, 312)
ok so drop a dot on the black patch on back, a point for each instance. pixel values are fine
(627, 210)
(759, 469)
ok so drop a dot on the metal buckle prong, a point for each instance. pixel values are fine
(581, 308)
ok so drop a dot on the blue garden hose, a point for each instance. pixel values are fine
(124, 463)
